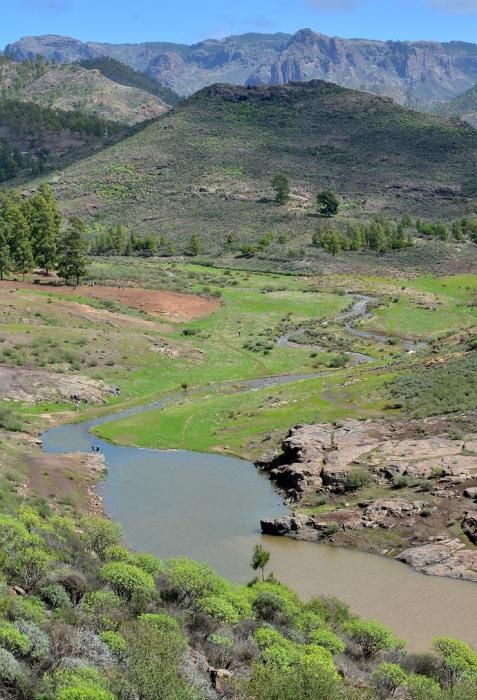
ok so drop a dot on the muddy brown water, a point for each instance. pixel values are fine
(177, 503)
(208, 507)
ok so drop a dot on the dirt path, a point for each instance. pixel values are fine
(174, 305)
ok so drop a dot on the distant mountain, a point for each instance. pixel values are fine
(71, 87)
(205, 167)
(412, 73)
(464, 106)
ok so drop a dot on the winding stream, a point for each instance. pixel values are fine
(208, 507)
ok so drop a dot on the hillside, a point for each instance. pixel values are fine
(125, 75)
(72, 87)
(464, 106)
(206, 167)
(35, 139)
(413, 73)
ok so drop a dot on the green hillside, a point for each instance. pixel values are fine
(205, 168)
(34, 139)
(125, 75)
(464, 106)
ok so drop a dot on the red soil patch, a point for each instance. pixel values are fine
(182, 307)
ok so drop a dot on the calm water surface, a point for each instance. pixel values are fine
(208, 507)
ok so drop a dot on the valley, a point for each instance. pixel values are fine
(238, 338)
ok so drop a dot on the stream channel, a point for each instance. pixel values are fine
(208, 507)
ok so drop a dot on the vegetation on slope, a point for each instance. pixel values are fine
(83, 618)
(125, 75)
(205, 169)
(36, 139)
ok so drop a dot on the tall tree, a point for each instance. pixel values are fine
(282, 188)
(45, 221)
(328, 203)
(5, 259)
(72, 252)
(20, 243)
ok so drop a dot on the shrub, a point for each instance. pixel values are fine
(10, 669)
(82, 684)
(162, 621)
(13, 640)
(39, 641)
(148, 562)
(356, 479)
(125, 579)
(387, 678)
(30, 609)
(219, 608)
(458, 660)
(372, 637)
(189, 580)
(99, 534)
(29, 566)
(102, 609)
(114, 641)
(55, 595)
(423, 688)
(328, 639)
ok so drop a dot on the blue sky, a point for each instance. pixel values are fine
(190, 21)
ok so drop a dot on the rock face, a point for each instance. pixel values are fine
(448, 558)
(409, 72)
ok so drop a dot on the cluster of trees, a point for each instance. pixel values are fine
(379, 236)
(29, 124)
(116, 240)
(459, 230)
(31, 236)
(326, 201)
(91, 620)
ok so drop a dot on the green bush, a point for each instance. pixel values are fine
(10, 669)
(372, 637)
(356, 479)
(458, 660)
(126, 579)
(189, 580)
(13, 640)
(99, 534)
(423, 688)
(328, 639)
(114, 641)
(387, 678)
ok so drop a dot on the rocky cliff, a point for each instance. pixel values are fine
(413, 73)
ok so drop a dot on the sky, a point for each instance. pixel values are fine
(189, 21)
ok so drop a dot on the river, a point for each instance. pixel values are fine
(208, 507)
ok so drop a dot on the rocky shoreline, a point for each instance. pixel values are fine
(383, 487)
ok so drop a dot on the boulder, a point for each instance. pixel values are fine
(469, 526)
(471, 492)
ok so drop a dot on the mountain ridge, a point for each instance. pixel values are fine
(413, 73)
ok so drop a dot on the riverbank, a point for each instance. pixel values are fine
(383, 487)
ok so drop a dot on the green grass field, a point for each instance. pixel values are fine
(236, 343)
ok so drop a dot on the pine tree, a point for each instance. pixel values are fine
(282, 188)
(5, 259)
(45, 221)
(20, 243)
(72, 253)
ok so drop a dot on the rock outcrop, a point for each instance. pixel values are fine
(469, 526)
(447, 558)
